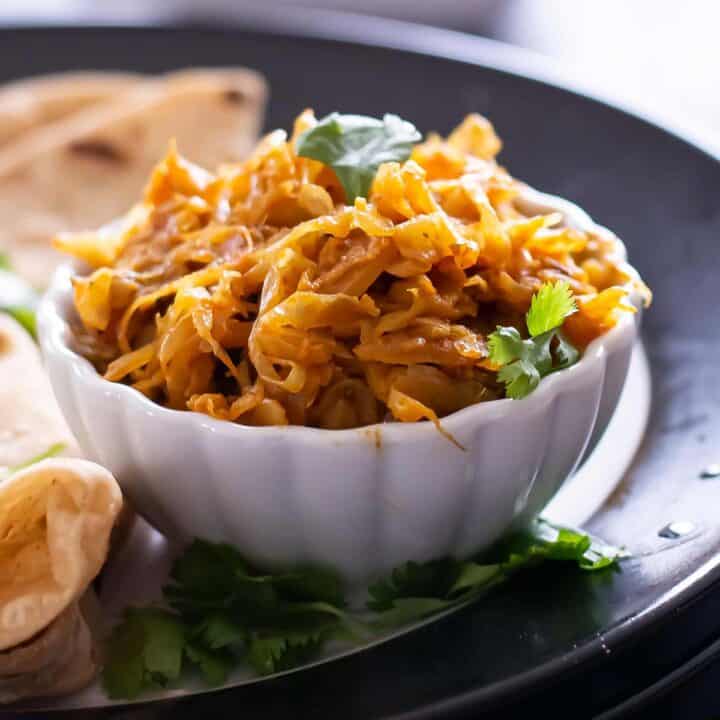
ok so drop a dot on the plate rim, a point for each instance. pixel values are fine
(393, 34)
(439, 43)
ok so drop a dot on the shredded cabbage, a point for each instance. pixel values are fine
(256, 295)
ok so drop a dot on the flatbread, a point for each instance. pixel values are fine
(30, 420)
(26, 105)
(55, 522)
(59, 660)
(83, 171)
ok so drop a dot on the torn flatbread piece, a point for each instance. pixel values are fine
(55, 523)
(31, 103)
(56, 517)
(85, 170)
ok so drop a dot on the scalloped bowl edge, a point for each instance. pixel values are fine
(361, 501)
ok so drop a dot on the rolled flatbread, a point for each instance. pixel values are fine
(56, 518)
(60, 659)
(31, 103)
(83, 171)
(55, 523)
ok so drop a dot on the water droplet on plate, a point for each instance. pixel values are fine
(677, 529)
(711, 471)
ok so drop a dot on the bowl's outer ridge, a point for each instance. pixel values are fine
(361, 501)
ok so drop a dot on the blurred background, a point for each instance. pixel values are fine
(660, 55)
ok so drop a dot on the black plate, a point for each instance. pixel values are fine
(574, 644)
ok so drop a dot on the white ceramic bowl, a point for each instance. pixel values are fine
(362, 500)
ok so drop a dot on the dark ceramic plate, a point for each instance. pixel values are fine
(573, 645)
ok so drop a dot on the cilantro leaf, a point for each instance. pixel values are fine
(523, 363)
(473, 575)
(430, 579)
(205, 562)
(17, 298)
(544, 541)
(549, 307)
(205, 577)
(164, 642)
(416, 591)
(539, 352)
(145, 651)
(264, 653)
(311, 584)
(219, 630)
(274, 653)
(124, 674)
(505, 345)
(520, 378)
(52, 451)
(599, 556)
(215, 665)
(566, 353)
(355, 146)
(406, 610)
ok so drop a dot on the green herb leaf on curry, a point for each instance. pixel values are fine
(523, 363)
(549, 307)
(355, 146)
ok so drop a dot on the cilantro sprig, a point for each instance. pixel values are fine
(355, 146)
(523, 363)
(416, 591)
(147, 651)
(17, 298)
(220, 612)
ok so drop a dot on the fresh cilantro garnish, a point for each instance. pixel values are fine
(223, 612)
(355, 146)
(17, 298)
(422, 580)
(268, 654)
(145, 651)
(214, 665)
(545, 541)
(52, 451)
(549, 307)
(218, 630)
(416, 591)
(523, 363)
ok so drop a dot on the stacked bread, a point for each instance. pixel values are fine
(74, 149)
